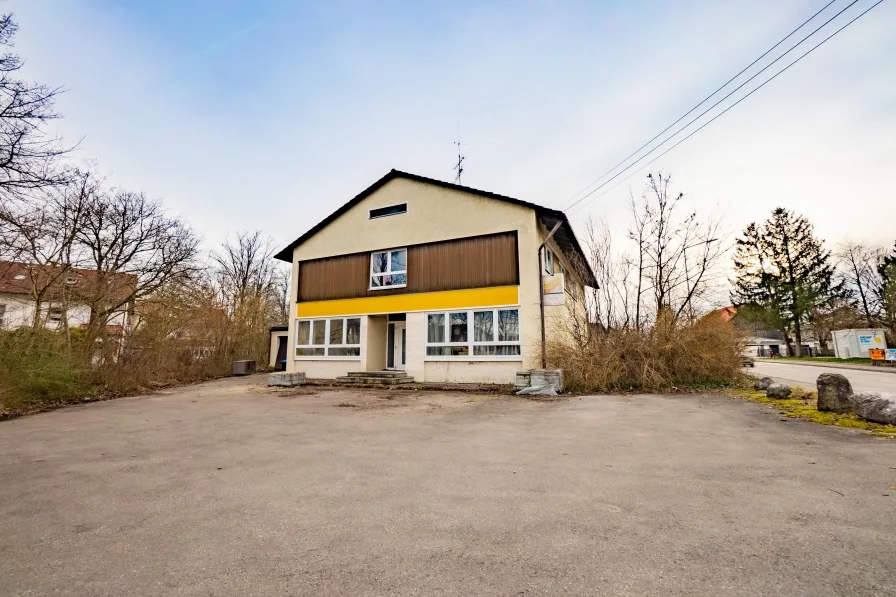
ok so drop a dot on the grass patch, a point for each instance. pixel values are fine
(804, 405)
(853, 361)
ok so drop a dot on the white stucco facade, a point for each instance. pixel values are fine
(18, 311)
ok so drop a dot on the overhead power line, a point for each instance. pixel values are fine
(764, 83)
(706, 99)
(702, 114)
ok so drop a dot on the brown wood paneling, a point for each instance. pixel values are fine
(463, 263)
(475, 262)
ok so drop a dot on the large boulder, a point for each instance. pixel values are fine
(778, 391)
(834, 392)
(875, 406)
(763, 383)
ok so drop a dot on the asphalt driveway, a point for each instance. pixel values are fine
(229, 488)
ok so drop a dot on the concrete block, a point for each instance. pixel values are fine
(547, 377)
(286, 380)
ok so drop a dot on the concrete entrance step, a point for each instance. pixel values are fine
(376, 378)
(380, 374)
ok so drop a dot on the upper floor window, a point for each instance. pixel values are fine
(389, 210)
(548, 261)
(389, 269)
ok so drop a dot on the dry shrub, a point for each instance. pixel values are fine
(37, 367)
(179, 339)
(704, 353)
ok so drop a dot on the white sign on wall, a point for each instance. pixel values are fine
(554, 289)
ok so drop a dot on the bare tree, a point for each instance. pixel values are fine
(281, 289)
(38, 231)
(859, 265)
(245, 268)
(251, 289)
(613, 300)
(677, 254)
(638, 232)
(135, 249)
(28, 152)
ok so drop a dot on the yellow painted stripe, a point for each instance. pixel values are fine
(402, 303)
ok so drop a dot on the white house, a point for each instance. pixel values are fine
(63, 296)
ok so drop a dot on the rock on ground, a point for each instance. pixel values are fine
(778, 390)
(834, 392)
(875, 406)
(763, 383)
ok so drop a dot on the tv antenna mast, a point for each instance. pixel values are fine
(459, 166)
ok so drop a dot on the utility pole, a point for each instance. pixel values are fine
(460, 159)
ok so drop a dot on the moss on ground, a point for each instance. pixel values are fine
(804, 405)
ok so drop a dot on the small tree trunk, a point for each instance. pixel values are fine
(787, 346)
(798, 333)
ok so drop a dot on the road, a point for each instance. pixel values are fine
(805, 376)
(229, 488)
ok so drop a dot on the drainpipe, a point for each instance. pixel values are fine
(544, 363)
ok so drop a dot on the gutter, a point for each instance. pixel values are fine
(541, 291)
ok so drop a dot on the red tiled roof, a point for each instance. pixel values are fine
(726, 313)
(22, 278)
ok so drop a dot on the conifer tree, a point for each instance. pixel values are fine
(783, 274)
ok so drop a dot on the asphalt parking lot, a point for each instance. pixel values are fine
(229, 488)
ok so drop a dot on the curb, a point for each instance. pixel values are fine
(830, 365)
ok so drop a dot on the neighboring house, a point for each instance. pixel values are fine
(760, 342)
(64, 296)
(436, 279)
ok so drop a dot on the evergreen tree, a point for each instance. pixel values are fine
(784, 274)
(886, 293)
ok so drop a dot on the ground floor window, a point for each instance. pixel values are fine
(332, 337)
(474, 333)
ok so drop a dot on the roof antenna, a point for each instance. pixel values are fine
(460, 159)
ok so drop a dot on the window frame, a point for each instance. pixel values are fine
(326, 345)
(388, 272)
(370, 211)
(548, 261)
(471, 343)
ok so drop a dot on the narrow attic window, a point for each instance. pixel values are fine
(389, 210)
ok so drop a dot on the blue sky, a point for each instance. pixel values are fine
(245, 115)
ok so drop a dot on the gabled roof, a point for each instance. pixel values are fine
(75, 282)
(565, 237)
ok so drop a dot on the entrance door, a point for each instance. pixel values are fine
(280, 363)
(398, 344)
